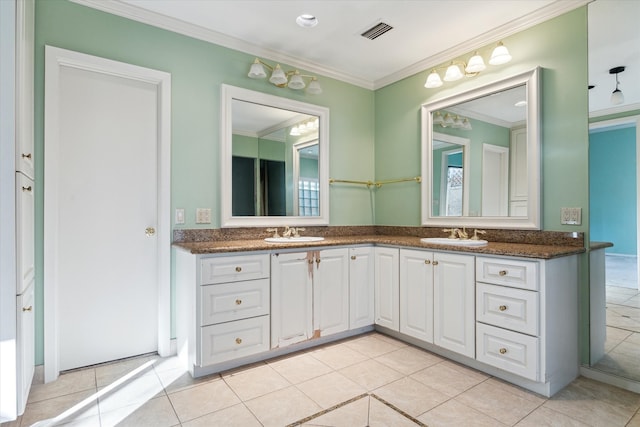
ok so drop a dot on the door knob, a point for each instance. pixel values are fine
(150, 231)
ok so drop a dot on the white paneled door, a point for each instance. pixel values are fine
(104, 231)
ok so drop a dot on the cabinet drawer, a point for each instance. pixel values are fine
(234, 268)
(507, 350)
(516, 273)
(510, 308)
(231, 340)
(234, 301)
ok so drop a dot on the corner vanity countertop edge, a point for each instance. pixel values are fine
(493, 248)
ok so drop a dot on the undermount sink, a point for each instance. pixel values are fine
(454, 242)
(300, 239)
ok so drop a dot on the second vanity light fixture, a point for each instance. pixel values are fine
(304, 127)
(448, 120)
(474, 66)
(280, 78)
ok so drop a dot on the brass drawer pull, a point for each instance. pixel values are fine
(503, 272)
(238, 269)
(353, 257)
(503, 308)
(427, 262)
(26, 156)
(238, 340)
(503, 350)
(27, 308)
(26, 188)
(435, 262)
(238, 301)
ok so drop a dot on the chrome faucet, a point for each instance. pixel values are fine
(453, 231)
(292, 231)
(476, 232)
(287, 231)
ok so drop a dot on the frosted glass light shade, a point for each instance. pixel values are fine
(457, 122)
(294, 131)
(466, 124)
(617, 97)
(500, 55)
(296, 81)
(437, 118)
(433, 80)
(257, 70)
(453, 73)
(278, 77)
(476, 64)
(314, 87)
(448, 120)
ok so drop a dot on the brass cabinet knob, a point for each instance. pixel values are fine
(353, 257)
(427, 261)
(27, 308)
(238, 269)
(150, 231)
(238, 301)
(502, 350)
(435, 263)
(503, 272)
(238, 340)
(502, 308)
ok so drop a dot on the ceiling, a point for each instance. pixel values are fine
(422, 34)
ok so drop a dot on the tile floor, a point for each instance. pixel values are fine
(622, 346)
(369, 380)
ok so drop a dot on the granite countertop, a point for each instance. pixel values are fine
(527, 250)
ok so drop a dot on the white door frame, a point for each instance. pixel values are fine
(621, 121)
(503, 154)
(55, 59)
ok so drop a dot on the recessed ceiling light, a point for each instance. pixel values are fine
(307, 21)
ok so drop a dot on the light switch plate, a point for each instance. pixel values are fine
(179, 216)
(203, 216)
(571, 216)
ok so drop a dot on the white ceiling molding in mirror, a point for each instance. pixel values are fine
(274, 160)
(501, 147)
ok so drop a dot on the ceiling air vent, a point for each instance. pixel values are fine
(376, 31)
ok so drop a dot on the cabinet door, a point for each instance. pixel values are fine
(454, 305)
(361, 287)
(26, 352)
(416, 294)
(291, 298)
(331, 291)
(387, 288)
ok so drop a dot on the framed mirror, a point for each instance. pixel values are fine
(481, 156)
(274, 160)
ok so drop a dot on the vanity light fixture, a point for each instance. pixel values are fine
(449, 120)
(304, 127)
(473, 67)
(616, 96)
(280, 78)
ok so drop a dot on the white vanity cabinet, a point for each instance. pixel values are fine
(387, 287)
(310, 295)
(361, 287)
(416, 294)
(527, 318)
(454, 302)
(226, 316)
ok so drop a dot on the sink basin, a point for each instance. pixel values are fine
(300, 239)
(454, 242)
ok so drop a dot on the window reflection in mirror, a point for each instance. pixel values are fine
(274, 160)
(481, 154)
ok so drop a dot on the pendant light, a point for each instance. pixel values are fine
(616, 96)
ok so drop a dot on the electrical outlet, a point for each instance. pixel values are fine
(203, 216)
(571, 216)
(179, 216)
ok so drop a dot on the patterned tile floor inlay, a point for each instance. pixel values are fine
(366, 410)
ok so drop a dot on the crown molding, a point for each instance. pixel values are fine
(138, 14)
(614, 110)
